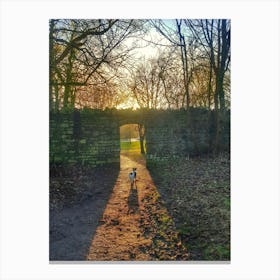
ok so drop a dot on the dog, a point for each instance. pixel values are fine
(132, 177)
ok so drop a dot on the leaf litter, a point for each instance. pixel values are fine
(181, 213)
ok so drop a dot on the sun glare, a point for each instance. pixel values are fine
(122, 106)
(128, 103)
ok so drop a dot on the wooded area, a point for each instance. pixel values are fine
(165, 83)
(146, 64)
(109, 63)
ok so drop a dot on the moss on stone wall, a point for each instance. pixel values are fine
(92, 137)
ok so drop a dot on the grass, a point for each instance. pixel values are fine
(133, 151)
(134, 146)
(218, 252)
(227, 203)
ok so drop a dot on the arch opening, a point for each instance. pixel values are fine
(132, 139)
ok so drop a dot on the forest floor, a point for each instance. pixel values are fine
(78, 197)
(95, 215)
(135, 224)
(196, 192)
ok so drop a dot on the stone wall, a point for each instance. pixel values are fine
(92, 137)
(171, 134)
(88, 138)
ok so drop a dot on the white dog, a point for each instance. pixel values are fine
(132, 177)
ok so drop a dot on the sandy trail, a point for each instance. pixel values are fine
(135, 224)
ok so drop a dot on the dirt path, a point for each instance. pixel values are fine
(74, 219)
(135, 224)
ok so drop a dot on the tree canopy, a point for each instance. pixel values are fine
(126, 63)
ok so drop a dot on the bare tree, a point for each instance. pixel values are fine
(147, 90)
(85, 53)
(175, 32)
(171, 78)
(214, 37)
(145, 85)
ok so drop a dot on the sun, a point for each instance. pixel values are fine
(128, 104)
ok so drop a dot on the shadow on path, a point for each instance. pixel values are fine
(132, 202)
(135, 224)
(71, 227)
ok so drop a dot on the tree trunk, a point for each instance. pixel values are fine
(187, 74)
(184, 58)
(210, 85)
(51, 61)
(68, 88)
(224, 57)
(56, 102)
(216, 95)
(142, 137)
(223, 51)
(142, 145)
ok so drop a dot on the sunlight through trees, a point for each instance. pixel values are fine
(156, 64)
